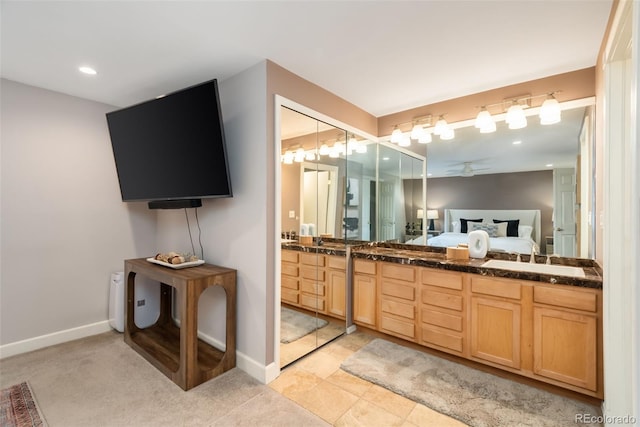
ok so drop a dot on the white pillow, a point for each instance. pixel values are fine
(525, 231)
(502, 229)
(456, 226)
(492, 229)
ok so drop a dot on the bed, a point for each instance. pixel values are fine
(528, 229)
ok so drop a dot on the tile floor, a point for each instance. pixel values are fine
(317, 383)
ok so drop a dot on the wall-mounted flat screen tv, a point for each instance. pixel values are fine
(171, 148)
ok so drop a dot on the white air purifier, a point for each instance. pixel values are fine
(146, 304)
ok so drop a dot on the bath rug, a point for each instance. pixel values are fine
(18, 407)
(295, 325)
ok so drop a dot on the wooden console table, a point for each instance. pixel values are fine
(176, 351)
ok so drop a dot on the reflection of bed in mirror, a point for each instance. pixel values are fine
(528, 229)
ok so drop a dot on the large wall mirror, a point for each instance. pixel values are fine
(338, 188)
(539, 167)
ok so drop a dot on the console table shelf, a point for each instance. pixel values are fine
(176, 351)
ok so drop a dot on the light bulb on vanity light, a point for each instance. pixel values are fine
(550, 111)
(515, 117)
(417, 132)
(485, 122)
(405, 141)
(441, 126)
(396, 135)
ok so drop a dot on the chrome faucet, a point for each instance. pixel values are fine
(551, 256)
(534, 251)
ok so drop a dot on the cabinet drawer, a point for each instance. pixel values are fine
(442, 279)
(442, 339)
(496, 287)
(339, 263)
(398, 308)
(398, 290)
(289, 295)
(398, 327)
(312, 287)
(312, 259)
(365, 267)
(444, 320)
(313, 274)
(289, 270)
(289, 282)
(312, 302)
(290, 256)
(441, 299)
(399, 272)
(569, 298)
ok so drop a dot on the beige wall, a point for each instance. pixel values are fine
(64, 226)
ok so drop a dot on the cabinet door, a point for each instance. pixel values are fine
(337, 286)
(495, 331)
(565, 346)
(364, 300)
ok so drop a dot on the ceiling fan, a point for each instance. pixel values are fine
(466, 171)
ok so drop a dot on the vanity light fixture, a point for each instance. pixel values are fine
(299, 156)
(417, 131)
(396, 135)
(485, 122)
(324, 150)
(441, 126)
(550, 111)
(515, 117)
(310, 156)
(405, 141)
(287, 158)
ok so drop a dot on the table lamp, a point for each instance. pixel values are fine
(431, 215)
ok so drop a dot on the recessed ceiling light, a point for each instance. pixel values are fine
(549, 165)
(518, 142)
(87, 70)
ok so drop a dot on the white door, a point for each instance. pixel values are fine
(386, 211)
(564, 215)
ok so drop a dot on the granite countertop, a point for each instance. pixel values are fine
(426, 256)
(435, 257)
(326, 248)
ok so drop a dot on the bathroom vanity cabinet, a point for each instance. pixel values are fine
(365, 293)
(442, 314)
(314, 281)
(550, 332)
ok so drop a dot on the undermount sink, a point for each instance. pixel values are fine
(560, 270)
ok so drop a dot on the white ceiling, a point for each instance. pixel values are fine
(383, 56)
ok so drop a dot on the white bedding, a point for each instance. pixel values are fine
(507, 244)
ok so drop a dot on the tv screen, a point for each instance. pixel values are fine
(172, 147)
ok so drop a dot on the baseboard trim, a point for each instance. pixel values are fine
(256, 370)
(59, 337)
(264, 374)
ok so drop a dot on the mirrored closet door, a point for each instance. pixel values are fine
(313, 255)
